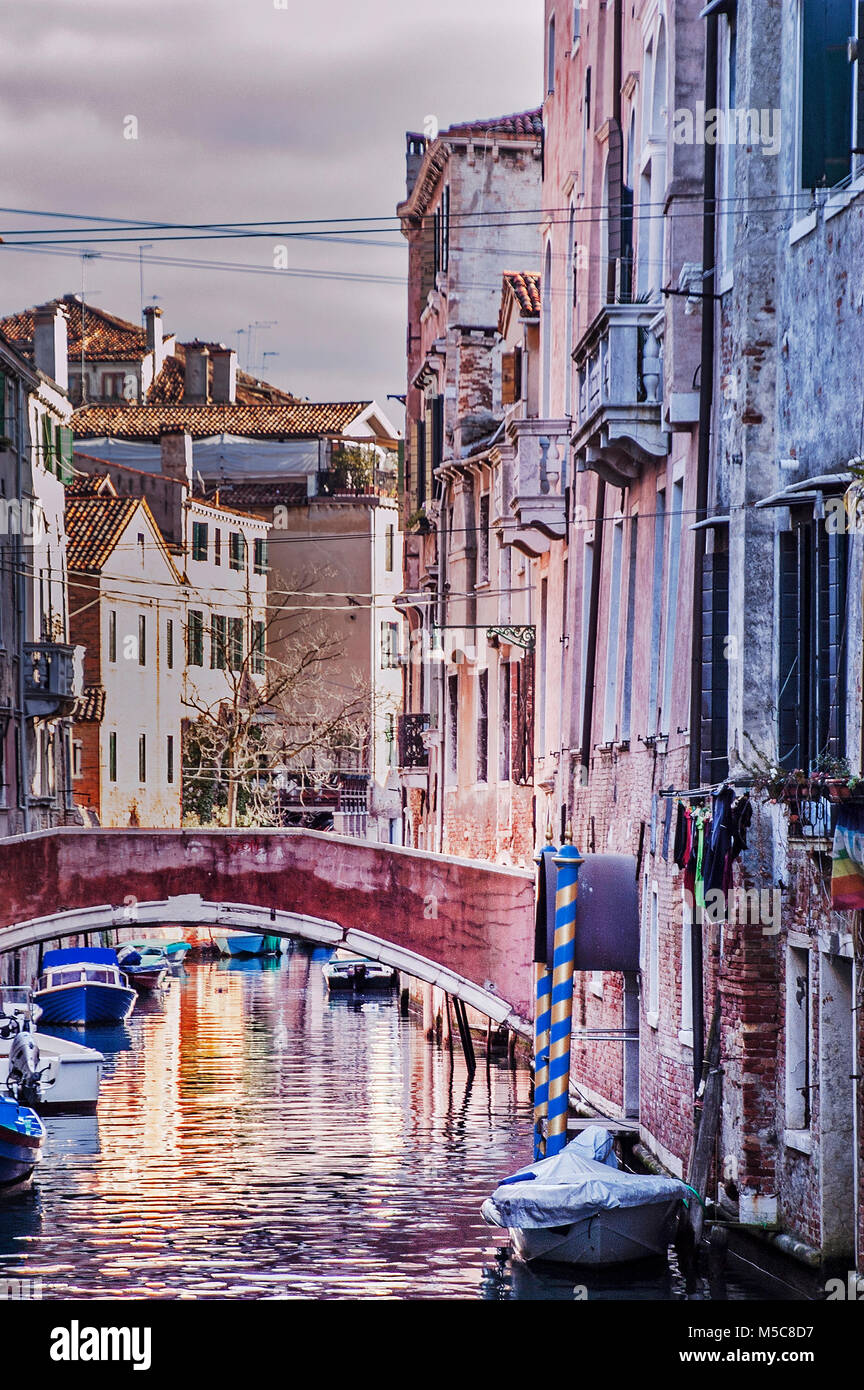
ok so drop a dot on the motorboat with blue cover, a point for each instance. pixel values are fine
(22, 1135)
(176, 951)
(580, 1208)
(81, 985)
(147, 967)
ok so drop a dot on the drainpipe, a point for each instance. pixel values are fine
(703, 468)
(21, 618)
(593, 612)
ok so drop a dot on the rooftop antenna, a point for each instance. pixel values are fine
(259, 323)
(85, 257)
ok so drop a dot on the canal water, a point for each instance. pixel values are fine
(256, 1139)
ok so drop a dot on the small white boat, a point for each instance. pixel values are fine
(349, 972)
(572, 1209)
(69, 1075)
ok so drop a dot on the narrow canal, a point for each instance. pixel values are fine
(258, 1140)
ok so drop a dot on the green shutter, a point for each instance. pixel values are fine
(826, 125)
(64, 447)
(48, 443)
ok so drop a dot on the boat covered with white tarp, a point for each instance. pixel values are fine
(579, 1207)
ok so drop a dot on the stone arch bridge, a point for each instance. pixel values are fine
(466, 927)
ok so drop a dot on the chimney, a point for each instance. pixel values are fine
(176, 454)
(224, 361)
(195, 388)
(153, 323)
(50, 343)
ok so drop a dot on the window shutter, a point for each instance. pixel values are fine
(65, 445)
(47, 443)
(788, 702)
(826, 126)
(859, 82)
(508, 378)
(2, 405)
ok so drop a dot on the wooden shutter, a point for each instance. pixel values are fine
(65, 445)
(826, 121)
(788, 702)
(508, 378)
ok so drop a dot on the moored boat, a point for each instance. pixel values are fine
(572, 1209)
(357, 973)
(81, 985)
(58, 1075)
(243, 945)
(175, 951)
(22, 1134)
(146, 968)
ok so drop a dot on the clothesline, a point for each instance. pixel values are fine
(702, 793)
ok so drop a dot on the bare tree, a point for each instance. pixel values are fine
(277, 714)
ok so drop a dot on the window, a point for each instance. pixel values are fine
(452, 728)
(812, 609)
(142, 758)
(390, 738)
(715, 661)
(258, 647)
(550, 58)
(195, 638)
(522, 754)
(236, 642)
(504, 721)
(441, 231)
(827, 91)
(577, 22)
(653, 959)
(389, 645)
(673, 598)
(656, 612)
(483, 726)
(483, 541)
(728, 149)
(169, 644)
(389, 538)
(169, 759)
(199, 540)
(236, 550)
(630, 636)
(217, 546)
(261, 565)
(142, 639)
(112, 385)
(797, 1038)
(610, 723)
(218, 642)
(77, 758)
(543, 636)
(112, 757)
(112, 635)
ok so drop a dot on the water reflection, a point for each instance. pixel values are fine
(256, 1139)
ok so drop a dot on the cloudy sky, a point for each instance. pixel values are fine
(246, 111)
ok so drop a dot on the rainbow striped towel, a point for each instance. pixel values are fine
(847, 874)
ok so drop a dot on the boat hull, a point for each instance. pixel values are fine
(612, 1237)
(72, 1077)
(20, 1145)
(78, 1004)
(240, 945)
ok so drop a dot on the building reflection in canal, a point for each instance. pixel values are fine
(256, 1139)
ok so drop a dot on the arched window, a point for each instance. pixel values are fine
(550, 58)
(546, 330)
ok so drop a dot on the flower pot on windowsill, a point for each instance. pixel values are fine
(839, 790)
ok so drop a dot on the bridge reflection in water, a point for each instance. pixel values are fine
(256, 1140)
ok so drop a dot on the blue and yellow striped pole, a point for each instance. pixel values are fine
(567, 862)
(542, 1005)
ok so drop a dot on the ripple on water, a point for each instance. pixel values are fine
(349, 1161)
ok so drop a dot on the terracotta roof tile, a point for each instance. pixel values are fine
(94, 525)
(258, 496)
(523, 124)
(107, 338)
(90, 708)
(167, 389)
(278, 420)
(525, 287)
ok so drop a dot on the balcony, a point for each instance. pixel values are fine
(620, 396)
(531, 506)
(413, 751)
(51, 681)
